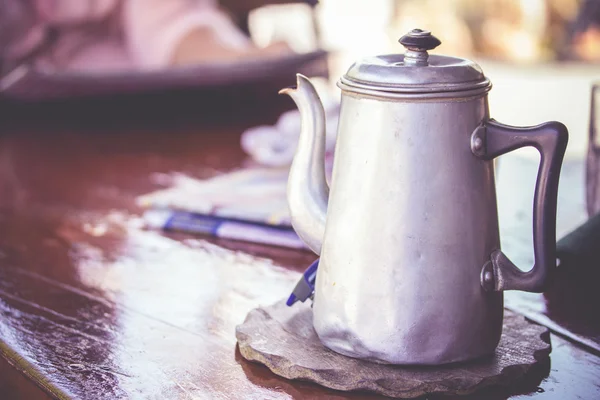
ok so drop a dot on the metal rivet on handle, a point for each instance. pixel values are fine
(487, 277)
(478, 141)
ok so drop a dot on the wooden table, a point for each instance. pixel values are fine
(95, 307)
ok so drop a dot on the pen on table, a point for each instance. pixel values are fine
(226, 228)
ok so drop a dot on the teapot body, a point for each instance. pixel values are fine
(411, 220)
(411, 270)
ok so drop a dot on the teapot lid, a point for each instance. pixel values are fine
(415, 71)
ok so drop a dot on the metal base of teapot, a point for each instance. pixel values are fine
(445, 351)
(434, 337)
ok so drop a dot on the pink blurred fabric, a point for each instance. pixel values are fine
(109, 35)
(154, 27)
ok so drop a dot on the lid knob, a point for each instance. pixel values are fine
(417, 42)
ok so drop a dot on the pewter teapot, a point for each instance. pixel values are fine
(411, 270)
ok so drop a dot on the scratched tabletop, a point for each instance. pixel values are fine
(93, 306)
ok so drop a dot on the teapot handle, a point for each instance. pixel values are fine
(492, 139)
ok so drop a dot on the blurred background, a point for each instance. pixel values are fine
(541, 55)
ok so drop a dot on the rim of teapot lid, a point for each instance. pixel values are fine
(415, 71)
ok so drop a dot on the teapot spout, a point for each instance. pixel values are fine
(307, 189)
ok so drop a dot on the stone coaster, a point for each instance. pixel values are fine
(283, 339)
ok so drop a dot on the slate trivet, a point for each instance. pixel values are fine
(283, 339)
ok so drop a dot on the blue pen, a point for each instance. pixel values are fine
(305, 288)
(221, 227)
